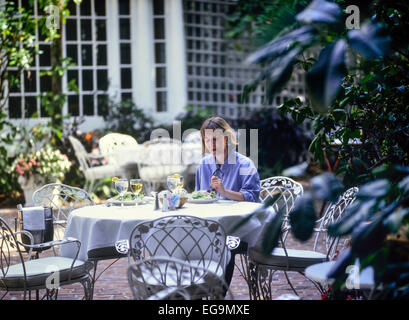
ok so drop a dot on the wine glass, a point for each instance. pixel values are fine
(136, 186)
(173, 183)
(121, 187)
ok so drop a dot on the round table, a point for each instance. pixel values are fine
(100, 226)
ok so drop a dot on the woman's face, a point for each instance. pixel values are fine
(215, 141)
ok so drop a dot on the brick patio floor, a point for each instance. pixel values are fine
(113, 284)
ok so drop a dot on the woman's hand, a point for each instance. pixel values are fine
(217, 184)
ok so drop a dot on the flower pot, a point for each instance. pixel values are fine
(29, 186)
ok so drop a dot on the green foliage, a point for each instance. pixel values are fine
(281, 142)
(17, 49)
(125, 117)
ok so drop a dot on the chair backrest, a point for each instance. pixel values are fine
(111, 143)
(332, 214)
(81, 153)
(62, 199)
(173, 279)
(9, 245)
(288, 191)
(191, 239)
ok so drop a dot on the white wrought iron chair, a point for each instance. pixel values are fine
(286, 191)
(62, 199)
(195, 240)
(91, 172)
(159, 278)
(120, 150)
(262, 267)
(17, 274)
(160, 157)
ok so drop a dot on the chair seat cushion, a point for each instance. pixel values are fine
(38, 270)
(297, 259)
(156, 277)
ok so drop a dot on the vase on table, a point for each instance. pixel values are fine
(29, 185)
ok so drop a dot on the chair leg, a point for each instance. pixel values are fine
(254, 291)
(289, 282)
(88, 289)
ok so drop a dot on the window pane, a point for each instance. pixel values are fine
(161, 101)
(101, 30)
(30, 107)
(88, 104)
(71, 30)
(87, 80)
(45, 57)
(45, 83)
(72, 75)
(160, 53)
(124, 7)
(126, 96)
(159, 27)
(72, 7)
(102, 104)
(102, 55)
(125, 53)
(14, 81)
(158, 7)
(30, 83)
(126, 78)
(73, 105)
(86, 52)
(124, 29)
(14, 107)
(85, 7)
(99, 7)
(102, 79)
(160, 77)
(86, 32)
(72, 52)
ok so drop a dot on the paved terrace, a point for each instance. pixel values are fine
(113, 284)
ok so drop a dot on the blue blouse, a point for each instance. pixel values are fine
(238, 173)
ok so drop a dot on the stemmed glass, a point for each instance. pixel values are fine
(175, 182)
(121, 187)
(136, 187)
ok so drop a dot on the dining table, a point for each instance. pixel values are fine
(102, 226)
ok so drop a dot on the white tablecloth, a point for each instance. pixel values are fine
(101, 226)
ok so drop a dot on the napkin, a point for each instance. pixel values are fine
(33, 218)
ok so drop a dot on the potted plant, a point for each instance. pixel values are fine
(36, 168)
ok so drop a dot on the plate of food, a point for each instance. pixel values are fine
(203, 196)
(129, 199)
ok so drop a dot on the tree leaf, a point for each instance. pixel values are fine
(372, 40)
(282, 45)
(374, 189)
(325, 78)
(326, 187)
(355, 213)
(303, 217)
(320, 11)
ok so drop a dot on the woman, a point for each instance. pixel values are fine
(232, 175)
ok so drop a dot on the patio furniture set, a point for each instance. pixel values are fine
(180, 254)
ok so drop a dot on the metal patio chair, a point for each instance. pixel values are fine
(161, 157)
(262, 267)
(159, 278)
(48, 273)
(198, 241)
(62, 199)
(93, 173)
(112, 144)
(288, 191)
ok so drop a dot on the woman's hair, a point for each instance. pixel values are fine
(214, 123)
